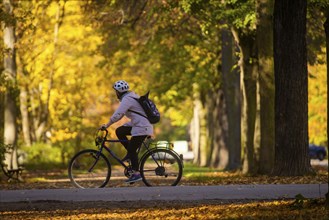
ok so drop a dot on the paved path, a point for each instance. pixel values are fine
(182, 193)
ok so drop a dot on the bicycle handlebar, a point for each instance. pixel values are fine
(100, 138)
(104, 129)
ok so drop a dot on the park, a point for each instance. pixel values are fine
(241, 88)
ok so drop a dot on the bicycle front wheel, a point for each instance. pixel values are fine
(161, 167)
(89, 169)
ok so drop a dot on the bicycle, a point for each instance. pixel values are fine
(158, 166)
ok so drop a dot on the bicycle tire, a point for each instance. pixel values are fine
(80, 164)
(161, 167)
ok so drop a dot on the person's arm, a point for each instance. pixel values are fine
(120, 112)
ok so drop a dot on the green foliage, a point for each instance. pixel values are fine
(323, 5)
(299, 201)
(315, 35)
(172, 132)
(42, 156)
(3, 149)
(162, 46)
(5, 17)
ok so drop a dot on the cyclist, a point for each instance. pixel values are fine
(138, 127)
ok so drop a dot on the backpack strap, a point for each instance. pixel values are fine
(138, 113)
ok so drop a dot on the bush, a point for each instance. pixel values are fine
(42, 156)
(2, 151)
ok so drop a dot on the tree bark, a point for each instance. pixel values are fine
(2, 116)
(217, 129)
(200, 132)
(326, 28)
(195, 125)
(231, 93)
(291, 89)
(247, 63)
(24, 100)
(10, 123)
(2, 100)
(25, 115)
(204, 132)
(264, 38)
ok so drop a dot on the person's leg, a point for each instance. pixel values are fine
(134, 144)
(122, 132)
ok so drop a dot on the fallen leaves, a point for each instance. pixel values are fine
(58, 179)
(292, 209)
(175, 210)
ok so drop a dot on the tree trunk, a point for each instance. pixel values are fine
(2, 96)
(195, 126)
(10, 123)
(2, 101)
(25, 116)
(247, 63)
(326, 28)
(2, 117)
(291, 89)
(199, 129)
(204, 132)
(217, 129)
(231, 93)
(266, 84)
(257, 132)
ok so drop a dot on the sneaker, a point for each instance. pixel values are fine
(134, 178)
(126, 158)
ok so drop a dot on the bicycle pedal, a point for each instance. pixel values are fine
(131, 183)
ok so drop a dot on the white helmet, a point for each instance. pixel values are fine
(121, 86)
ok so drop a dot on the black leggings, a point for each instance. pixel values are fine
(131, 146)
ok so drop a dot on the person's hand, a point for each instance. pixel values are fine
(103, 127)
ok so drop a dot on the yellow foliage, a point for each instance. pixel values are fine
(62, 135)
(61, 69)
(317, 104)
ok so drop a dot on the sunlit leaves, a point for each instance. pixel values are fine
(60, 68)
(317, 104)
(63, 135)
(165, 47)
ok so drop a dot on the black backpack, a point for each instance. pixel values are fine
(150, 109)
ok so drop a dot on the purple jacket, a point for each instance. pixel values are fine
(140, 125)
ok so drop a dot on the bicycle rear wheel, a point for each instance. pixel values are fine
(89, 169)
(161, 167)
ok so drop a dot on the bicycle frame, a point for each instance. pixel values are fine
(103, 146)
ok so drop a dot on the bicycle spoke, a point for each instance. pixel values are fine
(161, 167)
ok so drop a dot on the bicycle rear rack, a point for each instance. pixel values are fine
(162, 145)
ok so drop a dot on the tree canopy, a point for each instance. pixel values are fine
(69, 53)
